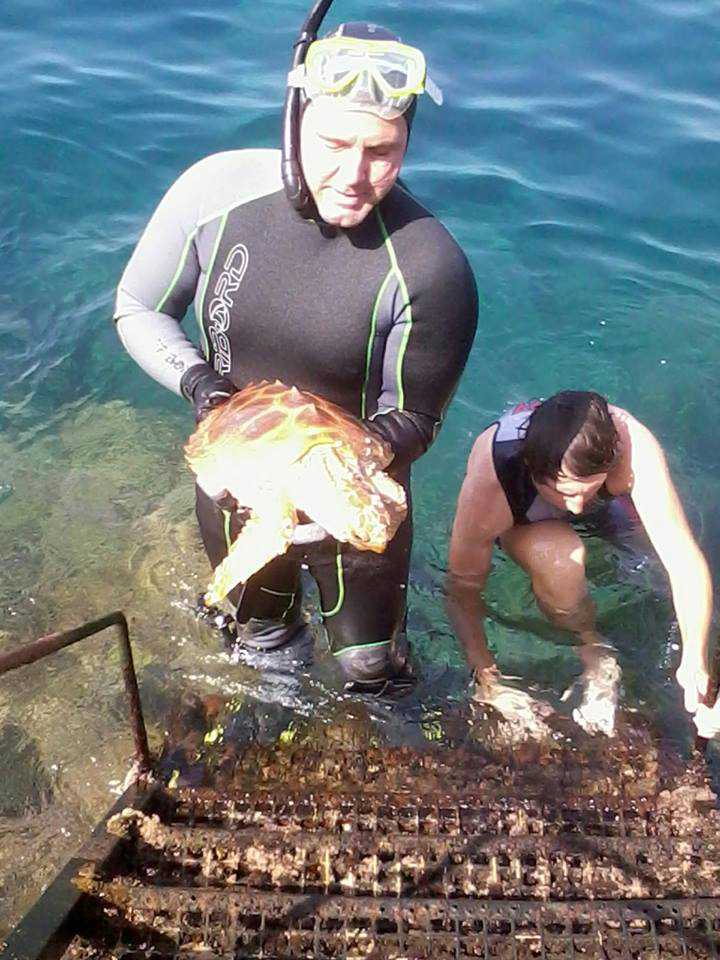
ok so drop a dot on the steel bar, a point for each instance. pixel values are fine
(223, 843)
(35, 650)
(443, 815)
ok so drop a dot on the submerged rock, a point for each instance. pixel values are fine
(26, 786)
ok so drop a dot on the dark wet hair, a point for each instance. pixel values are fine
(574, 426)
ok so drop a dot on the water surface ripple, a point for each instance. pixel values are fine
(575, 159)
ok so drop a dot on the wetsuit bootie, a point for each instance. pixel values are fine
(375, 668)
(280, 664)
(263, 634)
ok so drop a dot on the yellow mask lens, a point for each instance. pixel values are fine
(336, 64)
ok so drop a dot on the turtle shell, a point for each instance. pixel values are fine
(279, 450)
(269, 425)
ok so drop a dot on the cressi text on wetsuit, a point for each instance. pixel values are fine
(378, 318)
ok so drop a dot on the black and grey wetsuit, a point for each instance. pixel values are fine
(609, 515)
(379, 319)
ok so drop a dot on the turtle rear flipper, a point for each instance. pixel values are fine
(267, 533)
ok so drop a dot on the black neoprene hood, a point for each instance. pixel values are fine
(296, 188)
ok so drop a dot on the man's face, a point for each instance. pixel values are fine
(350, 159)
(568, 492)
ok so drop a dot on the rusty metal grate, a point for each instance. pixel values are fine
(340, 875)
(387, 847)
(443, 815)
(171, 923)
(389, 853)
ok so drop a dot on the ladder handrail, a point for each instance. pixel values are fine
(27, 653)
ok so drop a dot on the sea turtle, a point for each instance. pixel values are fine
(279, 450)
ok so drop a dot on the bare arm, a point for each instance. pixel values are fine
(663, 517)
(482, 514)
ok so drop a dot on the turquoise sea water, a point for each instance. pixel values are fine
(576, 160)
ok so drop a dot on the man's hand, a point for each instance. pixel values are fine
(408, 433)
(694, 677)
(205, 389)
(309, 532)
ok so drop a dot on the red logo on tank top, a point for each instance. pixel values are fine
(527, 407)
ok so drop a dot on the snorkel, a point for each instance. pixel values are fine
(292, 176)
(363, 64)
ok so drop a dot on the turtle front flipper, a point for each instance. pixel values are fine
(267, 533)
(344, 497)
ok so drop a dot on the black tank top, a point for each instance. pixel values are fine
(526, 504)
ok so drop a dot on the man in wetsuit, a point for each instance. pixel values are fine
(368, 302)
(530, 472)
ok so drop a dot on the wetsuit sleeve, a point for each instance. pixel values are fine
(159, 284)
(426, 350)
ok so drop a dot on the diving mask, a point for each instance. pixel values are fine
(382, 76)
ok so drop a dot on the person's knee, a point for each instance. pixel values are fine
(558, 581)
(268, 618)
(281, 651)
(576, 614)
(553, 556)
(366, 631)
(555, 561)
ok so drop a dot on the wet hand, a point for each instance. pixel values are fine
(600, 694)
(310, 532)
(526, 713)
(707, 720)
(693, 677)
